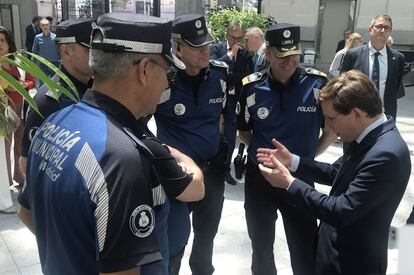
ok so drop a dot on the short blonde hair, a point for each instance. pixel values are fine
(353, 40)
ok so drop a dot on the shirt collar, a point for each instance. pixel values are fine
(375, 124)
(261, 49)
(118, 111)
(372, 51)
(80, 87)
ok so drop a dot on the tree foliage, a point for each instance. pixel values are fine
(220, 18)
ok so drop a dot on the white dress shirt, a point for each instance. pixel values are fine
(383, 66)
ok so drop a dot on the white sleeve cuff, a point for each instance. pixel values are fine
(295, 163)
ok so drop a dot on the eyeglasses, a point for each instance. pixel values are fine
(381, 27)
(235, 38)
(170, 70)
(332, 118)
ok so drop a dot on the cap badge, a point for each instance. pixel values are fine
(287, 34)
(179, 109)
(198, 24)
(262, 112)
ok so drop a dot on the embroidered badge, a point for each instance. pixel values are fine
(179, 109)
(287, 34)
(141, 222)
(262, 112)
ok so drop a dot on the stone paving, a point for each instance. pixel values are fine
(18, 251)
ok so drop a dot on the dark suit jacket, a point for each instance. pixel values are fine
(30, 36)
(238, 69)
(356, 216)
(358, 58)
(262, 62)
(340, 46)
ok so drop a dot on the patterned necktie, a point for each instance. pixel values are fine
(376, 70)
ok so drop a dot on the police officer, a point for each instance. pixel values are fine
(280, 103)
(188, 119)
(73, 38)
(88, 195)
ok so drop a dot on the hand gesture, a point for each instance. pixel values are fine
(281, 153)
(276, 174)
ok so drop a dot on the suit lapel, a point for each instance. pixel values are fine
(365, 60)
(391, 68)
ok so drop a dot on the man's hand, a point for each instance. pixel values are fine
(276, 174)
(281, 153)
(234, 49)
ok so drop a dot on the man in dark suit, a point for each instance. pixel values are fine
(31, 31)
(368, 182)
(382, 64)
(341, 43)
(255, 42)
(240, 64)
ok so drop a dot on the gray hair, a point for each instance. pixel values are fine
(105, 65)
(256, 31)
(384, 16)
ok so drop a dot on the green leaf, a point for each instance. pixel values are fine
(19, 88)
(75, 97)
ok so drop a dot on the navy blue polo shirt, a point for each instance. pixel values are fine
(291, 114)
(187, 118)
(47, 104)
(92, 212)
(188, 114)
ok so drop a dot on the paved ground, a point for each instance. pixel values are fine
(18, 252)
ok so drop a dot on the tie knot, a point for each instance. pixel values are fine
(377, 54)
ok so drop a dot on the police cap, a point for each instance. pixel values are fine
(74, 31)
(123, 32)
(283, 39)
(192, 29)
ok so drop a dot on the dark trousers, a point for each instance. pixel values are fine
(230, 128)
(261, 204)
(206, 219)
(174, 264)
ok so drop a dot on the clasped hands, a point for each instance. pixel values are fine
(273, 165)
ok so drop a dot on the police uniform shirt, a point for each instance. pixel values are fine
(290, 114)
(47, 105)
(82, 185)
(188, 116)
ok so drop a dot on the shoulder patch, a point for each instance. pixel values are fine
(313, 71)
(220, 64)
(252, 78)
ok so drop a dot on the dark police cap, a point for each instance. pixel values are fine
(283, 39)
(74, 31)
(192, 29)
(122, 32)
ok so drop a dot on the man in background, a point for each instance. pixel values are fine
(239, 60)
(383, 65)
(44, 45)
(341, 43)
(31, 31)
(255, 42)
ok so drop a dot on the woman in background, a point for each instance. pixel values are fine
(13, 140)
(354, 40)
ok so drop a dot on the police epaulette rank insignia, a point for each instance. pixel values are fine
(315, 72)
(56, 95)
(252, 78)
(217, 63)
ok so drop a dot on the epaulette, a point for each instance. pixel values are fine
(313, 71)
(56, 95)
(217, 63)
(253, 77)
